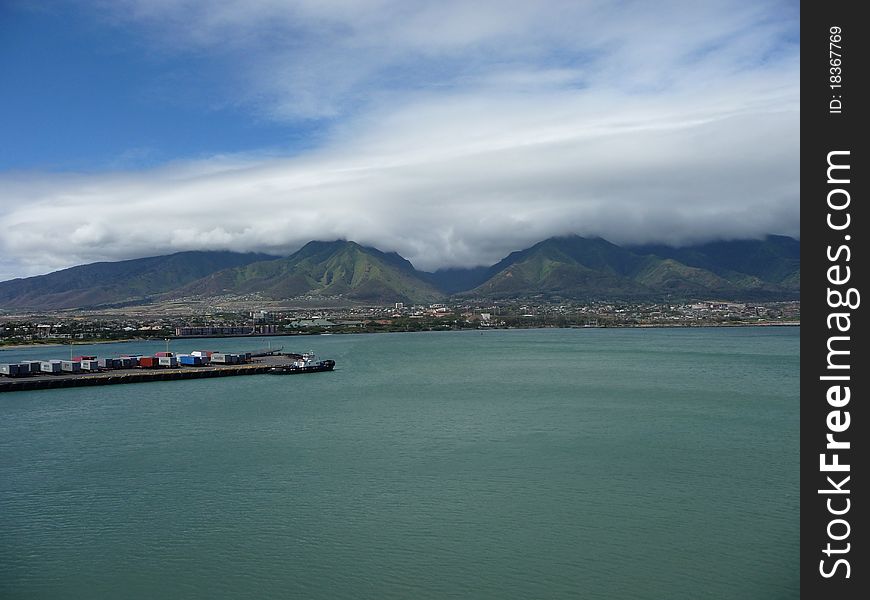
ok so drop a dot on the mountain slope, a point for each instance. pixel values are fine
(775, 259)
(580, 268)
(569, 267)
(566, 266)
(337, 268)
(117, 282)
(672, 276)
(455, 280)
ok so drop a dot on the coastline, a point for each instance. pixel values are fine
(614, 326)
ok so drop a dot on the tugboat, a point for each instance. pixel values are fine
(303, 363)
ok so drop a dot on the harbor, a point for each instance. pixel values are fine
(418, 432)
(140, 370)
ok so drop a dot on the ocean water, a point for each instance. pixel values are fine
(584, 463)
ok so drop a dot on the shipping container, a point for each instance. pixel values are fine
(90, 365)
(71, 366)
(23, 368)
(106, 363)
(190, 360)
(81, 358)
(125, 361)
(35, 366)
(134, 359)
(205, 355)
(50, 366)
(167, 361)
(148, 362)
(9, 370)
(225, 358)
(163, 354)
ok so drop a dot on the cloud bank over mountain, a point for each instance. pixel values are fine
(447, 132)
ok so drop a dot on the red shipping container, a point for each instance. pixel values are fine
(159, 354)
(148, 362)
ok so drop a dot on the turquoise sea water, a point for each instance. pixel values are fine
(587, 463)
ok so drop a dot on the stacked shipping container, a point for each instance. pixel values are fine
(92, 363)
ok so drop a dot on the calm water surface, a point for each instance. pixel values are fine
(659, 464)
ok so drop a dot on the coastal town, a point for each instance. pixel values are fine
(83, 327)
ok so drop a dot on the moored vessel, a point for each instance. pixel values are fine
(303, 363)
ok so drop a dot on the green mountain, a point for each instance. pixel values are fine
(775, 260)
(112, 283)
(570, 267)
(581, 268)
(323, 269)
(456, 279)
(566, 266)
(673, 277)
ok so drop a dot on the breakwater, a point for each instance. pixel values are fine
(138, 375)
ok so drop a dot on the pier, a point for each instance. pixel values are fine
(138, 375)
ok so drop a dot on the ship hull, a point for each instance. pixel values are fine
(326, 365)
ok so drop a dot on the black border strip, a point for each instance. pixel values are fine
(831, 122)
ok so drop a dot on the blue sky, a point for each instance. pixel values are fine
(452, 132)
(82, 94)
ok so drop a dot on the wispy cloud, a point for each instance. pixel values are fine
(457, 131)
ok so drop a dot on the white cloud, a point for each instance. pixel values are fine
(460, 132)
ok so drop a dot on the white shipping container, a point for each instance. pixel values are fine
(9, 370)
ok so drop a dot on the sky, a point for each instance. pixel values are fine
(452, 132)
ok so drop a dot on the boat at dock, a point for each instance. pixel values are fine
(303, 363)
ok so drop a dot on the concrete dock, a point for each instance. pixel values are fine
(138, 375)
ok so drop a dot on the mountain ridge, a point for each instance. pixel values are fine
(339, 268)
(566, 267)
(132, 280)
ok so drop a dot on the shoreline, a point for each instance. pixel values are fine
(615, 326)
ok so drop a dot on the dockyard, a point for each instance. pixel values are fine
(133, 373)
